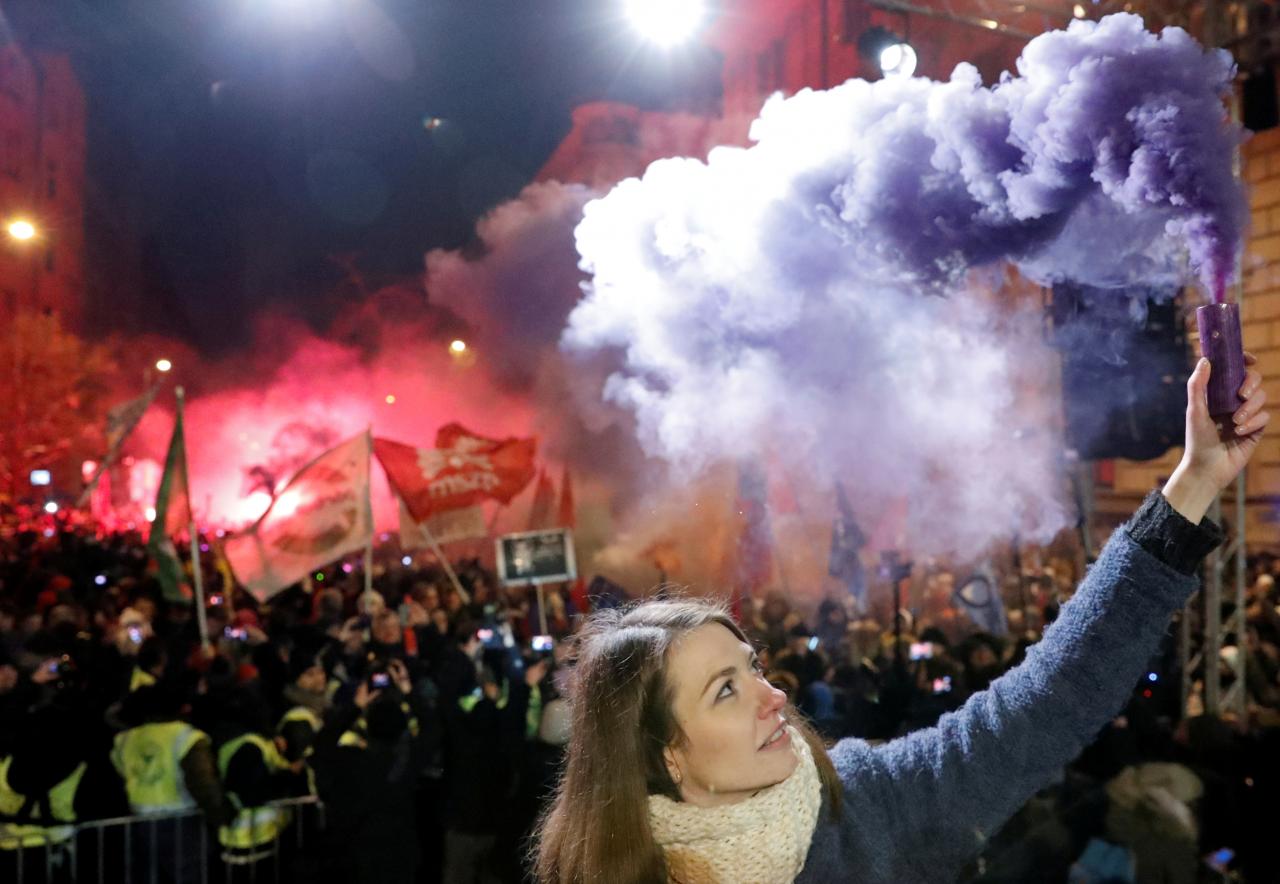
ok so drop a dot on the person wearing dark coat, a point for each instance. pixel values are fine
(367, 760)
(685, 764)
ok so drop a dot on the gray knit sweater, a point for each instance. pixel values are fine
(920, 807)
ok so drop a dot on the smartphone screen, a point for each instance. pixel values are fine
(542, 643)
(1220, 859)
(921, 651)
(380, 680)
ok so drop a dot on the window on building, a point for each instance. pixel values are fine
(1104, 473)
(851, 21)
(769, 67)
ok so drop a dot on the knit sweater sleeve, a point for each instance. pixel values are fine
(937, 794)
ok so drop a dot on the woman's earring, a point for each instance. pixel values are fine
(677, 777)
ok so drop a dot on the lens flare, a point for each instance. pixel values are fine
(666, 22)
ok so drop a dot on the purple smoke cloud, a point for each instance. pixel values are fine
(767, 301)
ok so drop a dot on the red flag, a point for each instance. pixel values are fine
(578, 596)
(463, 469)
(543, 499)
(568, 516)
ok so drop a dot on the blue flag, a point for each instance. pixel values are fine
(847, 540)
(979, 598)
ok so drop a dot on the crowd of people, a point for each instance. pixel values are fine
(428, 716)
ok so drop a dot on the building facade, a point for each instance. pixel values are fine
(42, 180)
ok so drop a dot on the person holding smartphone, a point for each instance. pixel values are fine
(684, 764)
(367, 763)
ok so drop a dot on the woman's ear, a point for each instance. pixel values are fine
(673, 766)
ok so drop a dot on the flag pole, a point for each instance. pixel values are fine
(444, 561)
(368, 514)
(197, 578)
(542, 607)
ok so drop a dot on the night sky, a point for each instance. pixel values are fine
(236, 149)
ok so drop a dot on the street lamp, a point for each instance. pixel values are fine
(894, 56)
(21, 229)
(458, 347)
(666, 22)
(163, 366)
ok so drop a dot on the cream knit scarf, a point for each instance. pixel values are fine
(762, 840)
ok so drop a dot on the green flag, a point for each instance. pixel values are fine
(173, 516)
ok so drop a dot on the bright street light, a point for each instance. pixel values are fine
(893, 55)
(22, 229)
(163, 365)
(666, 22)
(458, 347)
(898, 60)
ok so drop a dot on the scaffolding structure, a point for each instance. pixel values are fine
(1206, 694)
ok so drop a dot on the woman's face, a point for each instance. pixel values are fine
(729, 715)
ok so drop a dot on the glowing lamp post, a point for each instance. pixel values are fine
(21, 229)
(458, 347)
(666, 22)
(164, 366)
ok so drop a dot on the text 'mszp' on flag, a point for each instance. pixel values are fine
(462, 470)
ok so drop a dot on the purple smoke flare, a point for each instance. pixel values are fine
(769, 298)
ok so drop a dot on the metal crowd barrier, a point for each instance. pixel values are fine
(169, 848)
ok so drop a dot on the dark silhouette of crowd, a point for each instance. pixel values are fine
(413, 731)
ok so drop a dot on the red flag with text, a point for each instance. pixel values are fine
(463, 469)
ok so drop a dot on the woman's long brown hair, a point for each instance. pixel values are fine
(597, 828)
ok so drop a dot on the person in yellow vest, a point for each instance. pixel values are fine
(49, 781)
(254, 774)
(308, 700)
(168, 767)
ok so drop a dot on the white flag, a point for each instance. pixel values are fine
(321, 515)
(449, 526)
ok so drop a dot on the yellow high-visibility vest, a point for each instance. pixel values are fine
(149, 759)
(252, 826)
(20, 827)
